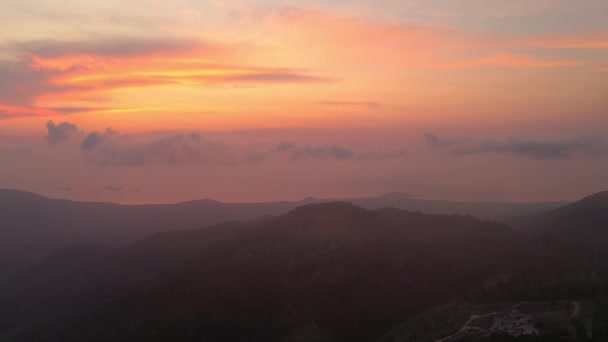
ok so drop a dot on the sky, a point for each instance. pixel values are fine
(147, 101)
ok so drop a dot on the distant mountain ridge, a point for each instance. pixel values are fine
(334, 270)
(32, 226)
(590, 213)
(486, 210)
(331, 271)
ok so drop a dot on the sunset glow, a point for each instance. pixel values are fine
(372, 77)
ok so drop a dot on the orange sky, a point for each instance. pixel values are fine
(501, 73)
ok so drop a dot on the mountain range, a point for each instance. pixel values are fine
(35, 226)
(329, 271)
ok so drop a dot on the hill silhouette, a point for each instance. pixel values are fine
(331, 271)
(576, 235)
(590, 213)
(35, 226)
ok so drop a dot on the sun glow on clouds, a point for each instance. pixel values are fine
(336, 88)
(315, 55)
(88, 76)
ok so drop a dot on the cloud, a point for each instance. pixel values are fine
(274, 77)
(436, 141)
(368, 104)
(254, 156)
(360, 41)
(530, 148)
(540, 149)
(177, 149)
(88, 71)
(9, 114)
(332, 151)
(73, 110)
(129, 62)
(116, 47)
(286, 146)
(194, 149)
(95, 139)
(504, 60)
(14, 112)
(480, 9)
(114, 188)
(585, 40)
(335, 152)
(88, 68)
(82, 72)
(19, 84)
(383, 154)
(58, 133)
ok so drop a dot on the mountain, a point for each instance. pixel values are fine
(484, 210)
(34, 226)
(566, 260)
(576, 234)
(588, 214)
(321, 272)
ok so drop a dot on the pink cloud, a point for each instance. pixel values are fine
(588, 40)
(507, 60)
(63, 72)
(356, 40)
